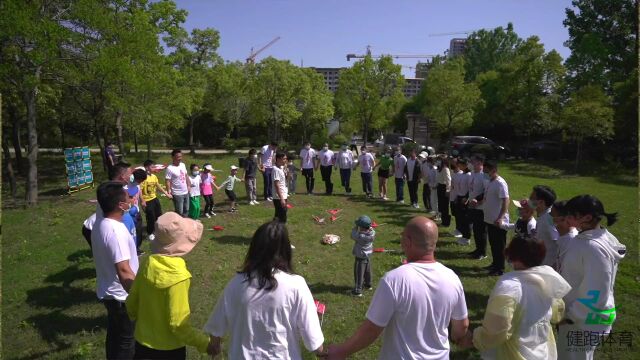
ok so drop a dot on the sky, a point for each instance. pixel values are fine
(321, 33)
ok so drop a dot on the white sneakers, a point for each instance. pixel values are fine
(269, 199)
(207, 215)
(457, 233)
(254, 202)
(416, 206)
(464, 241)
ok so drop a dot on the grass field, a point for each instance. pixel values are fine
(48, 291)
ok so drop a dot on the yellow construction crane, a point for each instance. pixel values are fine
(252, 56)
(404, 56)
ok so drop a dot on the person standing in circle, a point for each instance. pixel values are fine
(308, 164)
(178, 183)
(265, 165)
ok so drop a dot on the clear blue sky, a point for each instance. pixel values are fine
(320, 33)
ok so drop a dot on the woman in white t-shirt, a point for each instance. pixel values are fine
(522, 306)
(265, 307)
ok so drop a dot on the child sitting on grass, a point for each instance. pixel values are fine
(228, 187)
(363, 235)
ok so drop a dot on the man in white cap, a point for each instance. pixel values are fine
(159, 299)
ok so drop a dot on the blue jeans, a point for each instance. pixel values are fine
(399, 189)
(268, 183)
(345, 179)
(181, 204)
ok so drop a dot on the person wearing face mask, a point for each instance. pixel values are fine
(116, 263)
(477, 186)
(542, 199)
(590, 267)
(495, 211)
(444, 188)
(308, 165)
(566, 233)
(522, 307)
(151, 204)
(327, 160)
(344, 162)
(366, 160)
(412, 174)
(249, 176)
(399, 163)
(194, 192)
(383, 173)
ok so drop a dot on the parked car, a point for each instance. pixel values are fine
(546, 149)
(468, 145)
(394, 140)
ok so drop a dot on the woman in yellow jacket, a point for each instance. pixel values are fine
(522, 306)
(159, 298)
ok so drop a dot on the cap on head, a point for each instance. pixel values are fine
(522, 204)
(208, 167)
(175, 235)
(233, 167)
(363, 221)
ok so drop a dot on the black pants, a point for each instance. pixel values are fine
(362, 273)
(426, 196)
(281, 211)
(463, 223)
(143, 352)
(208, 204)
(345, 179)
(86, 233)
(479, 231)
(399, 189)
(354, 147)
(120, 342)
(268, 183)
(443, 204)
(152, 212)
(413, 191)
(498, 241)
(309, 180)
(367, 183)
(325, 171)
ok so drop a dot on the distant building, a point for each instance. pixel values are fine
(331, 76)
(412, 87)
(457, 47)
(421, 69)
(421, 130)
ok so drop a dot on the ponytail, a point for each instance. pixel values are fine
(611, 218)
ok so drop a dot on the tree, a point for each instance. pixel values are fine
(370, 94)
(603, 40)
(587, 115)
(315, 103)
(227, 96)
(30, 39)
(485, 50)
(274, 93)
(450, 102)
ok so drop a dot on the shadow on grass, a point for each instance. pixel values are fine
(322, 288)
(59, 297)
(81, 256)
(68, 275)
(230, 239)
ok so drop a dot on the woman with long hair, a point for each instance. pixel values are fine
(266, 308)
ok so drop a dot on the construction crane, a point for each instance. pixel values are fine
(406, 56)
(455, 33)
(252, 56)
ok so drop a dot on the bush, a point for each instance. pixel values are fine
(317, 140)
(338, 140)
(243, 142)
(408, 147)
(230, 145)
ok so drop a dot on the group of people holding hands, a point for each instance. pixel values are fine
(564, 264)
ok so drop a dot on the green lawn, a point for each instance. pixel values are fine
(49, 304)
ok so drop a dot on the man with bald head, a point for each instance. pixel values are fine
(414, 304)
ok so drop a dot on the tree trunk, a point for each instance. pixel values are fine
(32, 136)
(96, 133)
(9, 166)
(192, 149)
(119, 116)
(148, 146)
(17, 145)
(578, 154)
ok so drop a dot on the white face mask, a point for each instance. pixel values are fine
(344, 148)
(325, 148)
(254, 156)
(132, 178)
(307, 147)
(195, 173)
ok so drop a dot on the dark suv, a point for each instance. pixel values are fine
(468, 145)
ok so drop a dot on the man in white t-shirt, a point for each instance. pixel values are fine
(344, 162)
(116, 261)
(399, 162)
(366, 161)
(477, 185)
(496, 216)
(414, 304)
(308, 165)
(265, 165)
(327, 159)
(178, 183)
(412, 174)
(280, 191)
